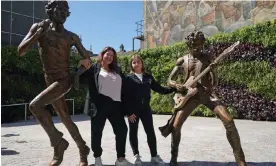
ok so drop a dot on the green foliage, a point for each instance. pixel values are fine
(124, 62)
(11, 62)
(258, 76)
(23, 78)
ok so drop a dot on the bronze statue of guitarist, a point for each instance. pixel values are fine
(189, 67)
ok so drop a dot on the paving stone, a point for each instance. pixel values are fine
(203, 143)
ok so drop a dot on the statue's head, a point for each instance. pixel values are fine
(57, 10)
(195, 42)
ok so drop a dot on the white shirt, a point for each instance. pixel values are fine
(140, 76)
(110, 84)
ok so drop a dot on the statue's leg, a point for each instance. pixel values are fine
(47, 96)
(53, 92)
(231, 133)
(61, 109)
(231, 130)
(180, 118)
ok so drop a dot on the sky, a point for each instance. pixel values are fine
(103, 23)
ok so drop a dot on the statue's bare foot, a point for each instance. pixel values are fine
(83, 156)
(58, 152)
(242, 163)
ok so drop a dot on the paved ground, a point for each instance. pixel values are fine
(203, 143)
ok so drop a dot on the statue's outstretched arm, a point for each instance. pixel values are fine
(171, 80)
(77, 43)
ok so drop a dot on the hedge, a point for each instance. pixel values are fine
(251, 66)
(22, 77)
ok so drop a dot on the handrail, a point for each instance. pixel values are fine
(26, 108)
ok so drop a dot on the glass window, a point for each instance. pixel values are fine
(39, 9)
(16, 40)
(5, 21)
(23, 7)
(21, 24)
(6, 5)
(5, 38)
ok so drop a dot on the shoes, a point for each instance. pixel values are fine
(125, 162)
(158, 161)
(98, 161)
(137, 160)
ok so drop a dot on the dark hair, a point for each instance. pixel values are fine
(54, 3)
(114, 65)
(132, 59)
(196, 36)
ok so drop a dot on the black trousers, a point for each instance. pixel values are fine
(112, 111)
(146, 118)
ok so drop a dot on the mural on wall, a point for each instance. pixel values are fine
(170, 21)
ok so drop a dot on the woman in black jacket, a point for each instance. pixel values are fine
(105, 83)
(141, 84)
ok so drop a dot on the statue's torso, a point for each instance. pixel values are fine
(193, 66)
(54, 49)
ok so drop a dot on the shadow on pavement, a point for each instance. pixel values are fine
(56, 119)
(10, 135)
(5, 151)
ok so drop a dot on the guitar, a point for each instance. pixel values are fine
(190, 85)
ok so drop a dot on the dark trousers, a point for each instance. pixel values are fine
(112, 111)
(146, 118)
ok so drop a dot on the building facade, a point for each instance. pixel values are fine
(168, 22)
(17, 19)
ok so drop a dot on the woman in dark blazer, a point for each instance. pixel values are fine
(141, 84)
(105, 82)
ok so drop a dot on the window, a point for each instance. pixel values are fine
(6, 21)
(23, 7)
(21, 24)
(5, 38)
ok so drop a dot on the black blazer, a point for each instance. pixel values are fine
(139, 92)
(90, 79)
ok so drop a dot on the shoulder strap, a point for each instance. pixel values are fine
(198, 69)
(186, 67)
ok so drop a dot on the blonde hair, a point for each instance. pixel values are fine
(136, 56)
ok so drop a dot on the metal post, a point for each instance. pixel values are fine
(25, 112)
(11, 26)
(86, 104)
(133, 44)
(73, 107)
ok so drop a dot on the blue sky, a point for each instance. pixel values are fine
(105, 23)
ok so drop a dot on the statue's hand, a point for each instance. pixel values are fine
(181, 88)
(86, 63)
(43, 27)
(213, 65)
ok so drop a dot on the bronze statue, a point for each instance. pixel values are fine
(122, 48)
(54, 44)
(200, 66)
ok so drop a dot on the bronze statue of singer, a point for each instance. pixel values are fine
(54, 45)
